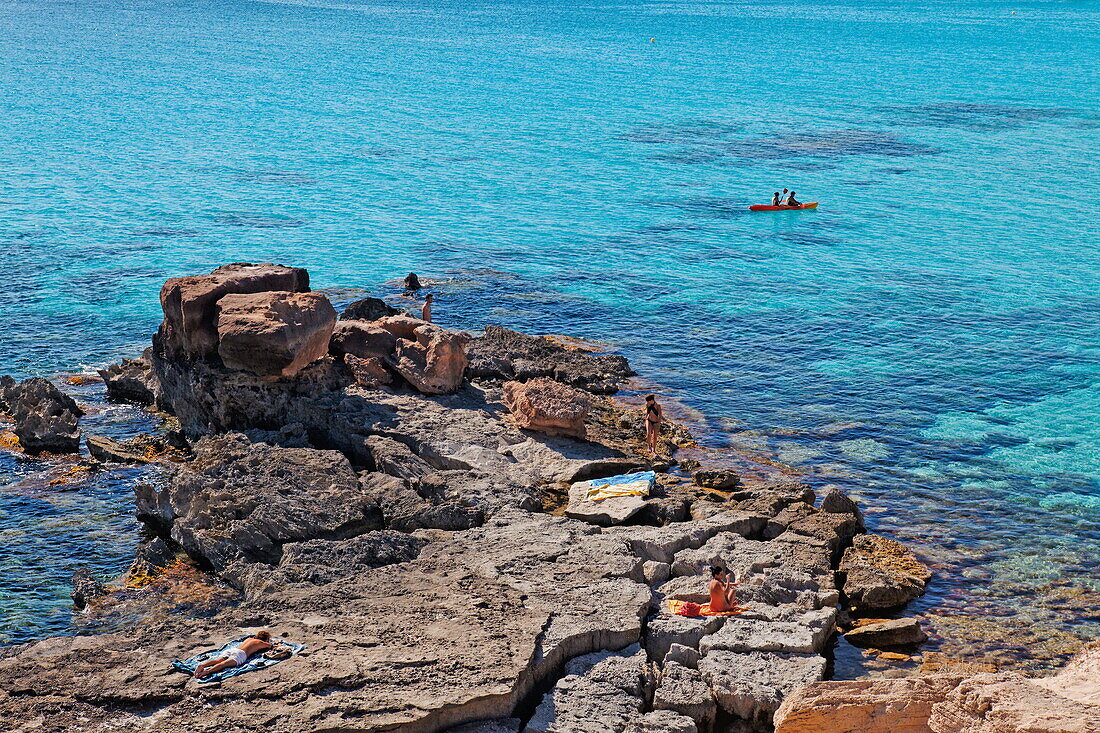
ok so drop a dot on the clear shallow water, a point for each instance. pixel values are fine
(927, 339)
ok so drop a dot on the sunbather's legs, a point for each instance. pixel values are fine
(213, 666)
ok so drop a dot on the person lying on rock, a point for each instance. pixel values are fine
(235, 656)
(722, 590)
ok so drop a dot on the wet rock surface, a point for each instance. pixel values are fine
(131, 380)
(881, 573)
(368, 309)
(46, 419)
(890, 633)
(399, 532)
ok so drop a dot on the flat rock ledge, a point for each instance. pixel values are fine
(401, 535)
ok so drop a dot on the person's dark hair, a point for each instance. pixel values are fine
(429, 296)
(263, 635)
(716, 570)
(650, 397)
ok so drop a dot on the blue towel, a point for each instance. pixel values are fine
(189, 665)
(628, 478)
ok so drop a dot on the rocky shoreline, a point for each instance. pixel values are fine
(396, 496)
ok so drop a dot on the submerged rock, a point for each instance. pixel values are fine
(547, 407)
(141, 449)
(86, 588)
(273, 334)
(881, 573)
(46, 419)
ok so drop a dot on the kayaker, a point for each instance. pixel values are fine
(775, 199)
(783, 197)
(791, 201)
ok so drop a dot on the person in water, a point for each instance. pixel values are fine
(236, 656)
(791, 201)
(426, 313)
(783, 197)
(722, 588)
(775, 199)
(653, 416)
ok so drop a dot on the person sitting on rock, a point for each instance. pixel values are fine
(722, 590)
(235, 656)
(426, 313)
(653, 415)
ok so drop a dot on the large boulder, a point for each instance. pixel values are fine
(867, 706)
(46, 419)
(881, 573)
(547, 406)
(508, 355)
(683, 690)
(434, 362)
(362, 339)
(190, 328)
(752, 686)
(1006, 702)
(368, 309)
(273, 334)
(131, 380)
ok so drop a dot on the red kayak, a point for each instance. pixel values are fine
(782, 207)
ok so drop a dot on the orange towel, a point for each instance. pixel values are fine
(676, 607)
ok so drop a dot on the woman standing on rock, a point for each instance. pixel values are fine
(653, 416)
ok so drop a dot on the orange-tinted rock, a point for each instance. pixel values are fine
(189, 327)
(401, 326)
(547, 406)
(363, 339)
(868, 706)
(273, 334)
(434, 362)
(881, 573)
(1010, 703)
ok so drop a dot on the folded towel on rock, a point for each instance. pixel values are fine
(258, 661)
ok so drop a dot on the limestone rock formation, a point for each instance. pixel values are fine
(606, 512)
(723, 479)
(362, 339)
(987, 702)
(753, 685)
(893, 632)
(601, 692)
(131, 380)
(368, 309)
(868, 706)
(273, 334)
(683, 690)
(239, 503)
(506, 355)
(547, 406)
(136, 450)
(46, 419)
(368, 372)
(434, 362)
(86, 588)
(881, 573)
(189, 328)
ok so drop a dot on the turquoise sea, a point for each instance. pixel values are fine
(928, 338)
